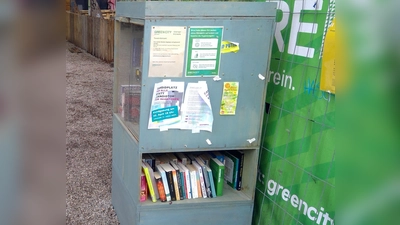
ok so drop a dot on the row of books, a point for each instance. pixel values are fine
(179, 176)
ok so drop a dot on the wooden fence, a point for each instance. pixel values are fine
(95, 35)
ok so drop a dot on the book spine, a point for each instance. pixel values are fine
(187, 184)
(153, 180)
(218, 172)
(207, 182)
(149, 184)
(220, 181)
(161, 191)
(165, 182)
(240, 155)
(171, 185)
(185, 180)
(231, 168)
(201, 178)
(199, 191)
(143, 188)
(193, 184)
(176, 186)
(212, 185)
(201, 163)
(183, 184)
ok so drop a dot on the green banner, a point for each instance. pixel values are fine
(296, 177)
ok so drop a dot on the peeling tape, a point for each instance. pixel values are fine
(217, 78)
(163, 128)
(195, 131)
(251, 140)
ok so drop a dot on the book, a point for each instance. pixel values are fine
(149, 182)
(156, 161)
(191, 156)
(193, 180)
(174, 180)
(206, 158)
(218, 171)
(231, 169)
(151, 171)
(168, 171)
(160, 187)
(182, 158)
(180, 178)
(212, 185)
(172, 157)
(161, 158)
(240, 155)
(187, 180)
(130, 102)
(205, 176)
(201, 179)
(143, 187)
(165, 181)
(218, 155)
(150, 160)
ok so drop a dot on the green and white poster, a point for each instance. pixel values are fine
(296, 176)
(204, 51)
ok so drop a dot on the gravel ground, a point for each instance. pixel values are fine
(89, 151)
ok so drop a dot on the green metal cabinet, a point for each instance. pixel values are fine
(249, 26)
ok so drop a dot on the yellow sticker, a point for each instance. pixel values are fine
(229, 98)
(229, 46)
(328, 61)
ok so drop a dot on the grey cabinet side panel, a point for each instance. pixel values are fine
(122, 201)
(126, 163)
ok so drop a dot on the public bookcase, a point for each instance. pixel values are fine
(189, 77)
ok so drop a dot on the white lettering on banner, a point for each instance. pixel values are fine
(311, 212)
(281, 79)
(291, 18)
(296, 26)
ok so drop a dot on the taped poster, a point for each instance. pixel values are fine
(167, 51)
(204, 51)
(165, 112)
(328, 61)
(197, 112)
(229, 46)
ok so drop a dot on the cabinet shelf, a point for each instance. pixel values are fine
(230, 196)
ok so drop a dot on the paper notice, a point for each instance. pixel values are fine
(197, 114)
(167, 51)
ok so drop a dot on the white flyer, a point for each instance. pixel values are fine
(197, 112)
(166, 105)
